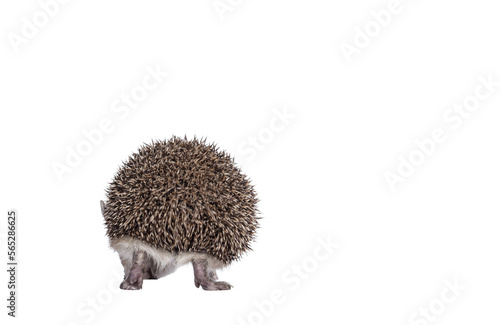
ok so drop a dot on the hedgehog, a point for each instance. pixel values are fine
(177, 202)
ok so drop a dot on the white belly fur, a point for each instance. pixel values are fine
(162, 262)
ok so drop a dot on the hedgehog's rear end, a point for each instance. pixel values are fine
(175, 202)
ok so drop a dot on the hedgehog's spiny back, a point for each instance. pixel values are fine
(183, 195)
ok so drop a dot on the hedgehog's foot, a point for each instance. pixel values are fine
(139, 266)
(215, 285)
(207, 277)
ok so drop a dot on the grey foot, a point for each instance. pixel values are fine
(206, 278)
(137, 272)
(126, 285)
(213, 285)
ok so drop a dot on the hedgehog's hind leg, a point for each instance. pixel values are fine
(133, 278)
(207, 277)
(148, 273)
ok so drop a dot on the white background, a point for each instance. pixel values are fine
(320, 176)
